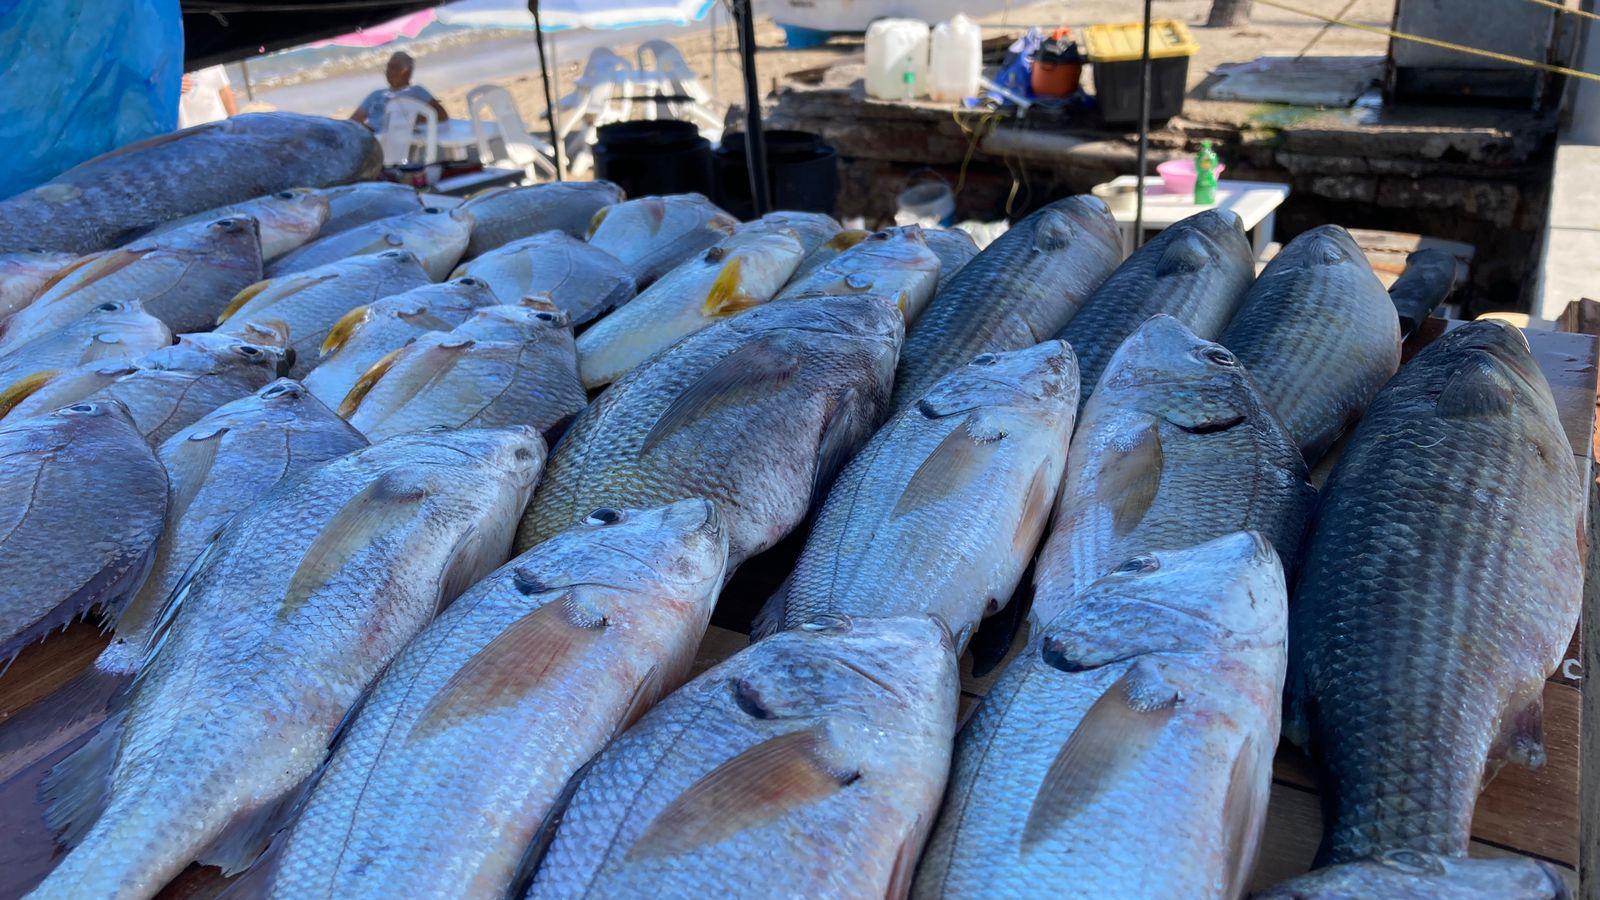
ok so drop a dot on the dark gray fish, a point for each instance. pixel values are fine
(350, 205)
(954, 247)
(503, 215)
(1413, 875)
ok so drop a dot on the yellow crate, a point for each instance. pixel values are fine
(1124, 41)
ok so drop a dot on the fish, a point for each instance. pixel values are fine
(807, 765)
(895, 263)
(350, 205)
(23, 272)
(829, 250)
(1196, 271)
(1448, 542)
(1430, 277)
(1128, 750)
(1319, 335)
(510, 692)
(581, 279)
(311, 303)
(435, 237)
(505, 365)
(113, 330)
(954, 247)
(181, 277)
(82, 499)
(1175, 447)
(286, 219)
(756, 413)
(107, 200)
(367, 333)
(267, 643)
(951, 495)
(737, 274)
(652, 235)
(165, 390)
(1018, 291)
(503, 215)
(811, 229)
(1414, 875)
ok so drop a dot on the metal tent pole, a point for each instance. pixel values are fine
(544, 75)
(755, 146)
(1144, 131)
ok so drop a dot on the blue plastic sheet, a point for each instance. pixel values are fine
(82, 77)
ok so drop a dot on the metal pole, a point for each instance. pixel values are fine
(1144, 131)
(244, 69)
(712, 18)
(755, 146)
(544, 74)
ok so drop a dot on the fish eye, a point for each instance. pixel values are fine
(109, 306)
(279, 390)
(827, 623)
(469, 282)
(285, 195)
(83, 407)
(878, 236)
(604, 515)
(1138, 565)
(248, 350)
(985, 359)
(545, 316)
(392, 254)
(1219, 356)
(432, 209)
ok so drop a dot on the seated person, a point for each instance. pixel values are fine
(398, 73)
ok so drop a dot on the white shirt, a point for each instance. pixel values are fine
(203, 103)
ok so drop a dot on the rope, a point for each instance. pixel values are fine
(1582, 14)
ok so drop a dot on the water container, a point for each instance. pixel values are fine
(897, 59)
(956, 59)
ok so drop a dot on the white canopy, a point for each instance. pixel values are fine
(562, 15)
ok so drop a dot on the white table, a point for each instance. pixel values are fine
(1255, 202)
(457, 142)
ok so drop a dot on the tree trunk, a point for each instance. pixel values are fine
(1229, 13)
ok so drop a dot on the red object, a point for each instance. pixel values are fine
(1057, 70)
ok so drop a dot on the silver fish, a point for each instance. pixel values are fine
(309, 304)
(1019, 291)
(1149, 706)
(435, 237)
(505, 365)
(81, 503)
(581, 279)
(181, 277)
(108, 200)
(503, 215)
(756, 413)
(894, 263)
(23, 272)
(954, 247)
(114, 330)
(350, 205)
(808, 765)
(951, 495)
(1175, 447)
(368, 333)
(168, 389)
(1319, 334)
(652, 235)
(829, 250)
(1415, 875)
(287, 219)
(738, 273)
(282, 623)
(514, 688)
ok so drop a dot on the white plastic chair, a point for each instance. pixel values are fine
(662, 64)
(399, 131)
(521, 148)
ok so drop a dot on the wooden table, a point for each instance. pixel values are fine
(1255, 202)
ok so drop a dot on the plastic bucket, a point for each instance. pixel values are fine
(661, 156)
(927, 203)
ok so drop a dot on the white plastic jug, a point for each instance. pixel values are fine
(897, 59)
(956, 60)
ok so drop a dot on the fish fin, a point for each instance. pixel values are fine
(61, 274)
(539, 844)
(761, 784)
(75, 792)
(94, 267)
(1477, 390)
(595, 220)
(847, 238)
(725, 298)
(645, 694)
(1053, 231)
(841, 437)
(341, 331)
(245, 295)
(23, 388)
(1130, 480)
(995, 635)
(758, 367)
(1521, 736)
(461, 573)
(958, 461)
(518, 660)
(1187, 253)
(368, 380)
(57, 719)
(378, 508)
(905, 863)
(256, 882)
(1111, 740)
(1296, 727)
(769, 619)
(1036, 508)
(246, 836)
(1239, 814)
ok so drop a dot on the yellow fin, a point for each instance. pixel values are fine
(342, 329)
(241, 298)
(725, 298)
(95, 267)
(63, 272)
(364, 384)
(761, 784)
(376, 509)
(595, 220)
(23, 388)
(846, 239)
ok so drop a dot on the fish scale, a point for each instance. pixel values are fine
(503, 215)
(1453, 513)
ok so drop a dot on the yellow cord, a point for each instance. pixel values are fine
(1565, 9)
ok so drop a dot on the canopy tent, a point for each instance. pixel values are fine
(564, 15)
(409, 26)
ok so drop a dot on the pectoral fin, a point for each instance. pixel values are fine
(94, 267)
(376, 510)
(726, 298)
(23, 388)
(1477, 390)
(341, 331)
(365, 384)
(757, 368)
(958, 461)
(1130, 478)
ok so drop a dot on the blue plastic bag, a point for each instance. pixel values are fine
(83, 77)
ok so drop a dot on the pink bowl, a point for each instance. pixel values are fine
(1177, 175)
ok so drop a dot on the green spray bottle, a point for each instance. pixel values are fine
(1205, 175)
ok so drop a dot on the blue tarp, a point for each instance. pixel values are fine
(82, 77)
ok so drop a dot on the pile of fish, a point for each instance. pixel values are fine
(407, 522)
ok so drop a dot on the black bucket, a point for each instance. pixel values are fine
(661, 156)
(802, 173)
